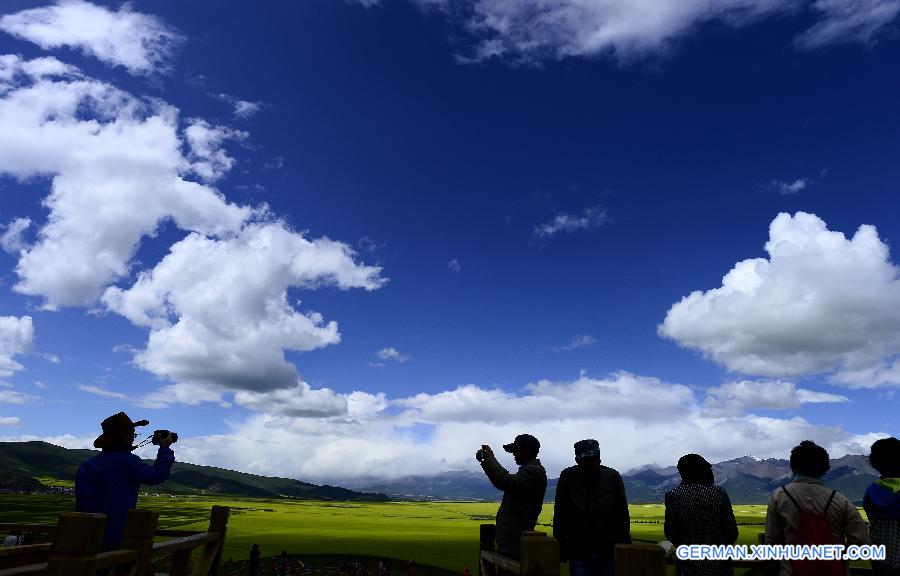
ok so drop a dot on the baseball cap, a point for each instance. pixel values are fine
(525, 441)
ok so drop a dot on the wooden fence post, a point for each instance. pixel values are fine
(79, 538)
(140, 528)
(644, 559)
(539, 555)
(218, 523)
(488, 537)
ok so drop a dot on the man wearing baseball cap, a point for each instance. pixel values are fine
(590, 513)
(523, 492)
(109, 482)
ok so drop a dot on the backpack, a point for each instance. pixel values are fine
(813, 528)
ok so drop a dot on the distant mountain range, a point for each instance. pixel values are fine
(747, 480)
(35, 466)
(27, 466)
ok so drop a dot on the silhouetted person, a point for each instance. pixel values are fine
(882, 504)
(283, 563)
(699, 512)
(109, 482)
(254, 560)
(808, 499)
(590, 513)
(523, 492)
(411, 568)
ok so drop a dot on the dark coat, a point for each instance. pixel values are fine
(590, 515)
(700, 514)
(109, 482)
(523, 498)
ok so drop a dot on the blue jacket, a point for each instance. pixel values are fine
(108, 483)
(882, 499)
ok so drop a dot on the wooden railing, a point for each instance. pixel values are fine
(78, 538)
(538, 556)
(651, 560)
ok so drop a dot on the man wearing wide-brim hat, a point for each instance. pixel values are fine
(523, 492)
(109, 482)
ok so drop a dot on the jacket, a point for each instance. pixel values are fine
(109, 482)
(782, 516)
(882, 505)
(590, 513)
(523, 498)
(700, 514)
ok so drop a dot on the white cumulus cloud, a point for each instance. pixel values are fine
(385, 438)
(141, 43)
(392, 354)
(10, 420)
(213, 322)
(748, 395)
(12, 240)
(16, 338)
(820, 302)
(117, 172)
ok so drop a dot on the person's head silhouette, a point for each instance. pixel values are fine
(810, 460)
(694, 469)
(885, 457)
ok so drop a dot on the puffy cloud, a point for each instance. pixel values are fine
(620, 395)
(535, 30)
(441, 431)
(10, 420)
(578, 341)
(843, 21)
(140, 43)
(99, 391)
(819, 302)
(209, 160)
(16, 336)
(299, 401)
(392, 354)
(744, 395)
(117, 172)
(588, 218)
(212, 322)
(12, 240)
(189, 393)
(454, 266)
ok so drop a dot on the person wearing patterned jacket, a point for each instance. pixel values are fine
(699, 512)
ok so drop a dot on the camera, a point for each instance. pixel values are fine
(160, 434)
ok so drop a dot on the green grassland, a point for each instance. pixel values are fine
(433, 533)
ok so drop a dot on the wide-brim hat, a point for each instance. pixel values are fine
(114, 426)
(524, 441)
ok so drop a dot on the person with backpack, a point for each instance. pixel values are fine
(699, 512)
(806, 512)
(882, 505)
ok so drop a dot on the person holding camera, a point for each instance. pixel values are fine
(109, 482)
(523, 492)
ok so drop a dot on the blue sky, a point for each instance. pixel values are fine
(501, 205)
